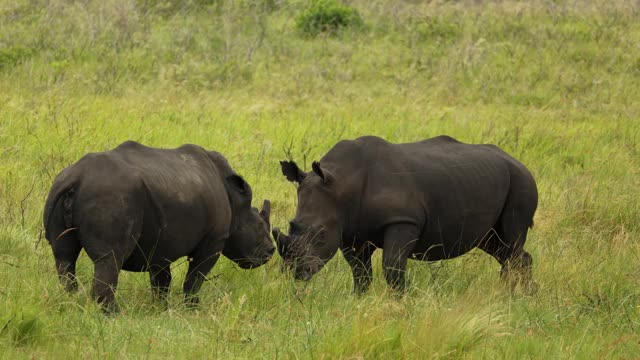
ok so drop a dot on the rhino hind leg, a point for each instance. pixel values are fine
(107, 262)
(105, 282)
(109, 242)
(66, 249)
(506, 245)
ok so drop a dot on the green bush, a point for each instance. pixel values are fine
(13, 56)
(327, 16)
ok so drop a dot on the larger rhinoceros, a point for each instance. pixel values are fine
(430, 200)
(139, 208)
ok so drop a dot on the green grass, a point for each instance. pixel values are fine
(555, 83)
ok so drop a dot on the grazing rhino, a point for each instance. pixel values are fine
(139, 208)
(430, 200)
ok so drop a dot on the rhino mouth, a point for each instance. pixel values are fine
(251, 263)
(247, 264)
(296, 251)
(307, 267)
(254, 262)
(303, 275)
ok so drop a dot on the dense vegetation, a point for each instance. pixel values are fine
(555, 83)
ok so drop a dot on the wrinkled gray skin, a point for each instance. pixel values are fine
(138, 208)
(430, 200)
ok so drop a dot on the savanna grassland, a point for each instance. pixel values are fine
(555, 83)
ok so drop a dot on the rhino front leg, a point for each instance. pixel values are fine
(196, 275)
(359, 258)
(399, 241)
(160, 278)
(201, 261)
(107, 262)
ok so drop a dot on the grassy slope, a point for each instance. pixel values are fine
(554, 83)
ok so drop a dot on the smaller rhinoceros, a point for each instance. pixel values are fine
(430, 200)
(139, 208)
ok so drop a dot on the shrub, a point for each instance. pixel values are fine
(13, 56)
(327, 16)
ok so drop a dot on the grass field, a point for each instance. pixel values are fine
(555, 83)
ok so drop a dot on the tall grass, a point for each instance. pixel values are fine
(555, 83)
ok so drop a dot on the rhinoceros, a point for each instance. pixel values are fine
(138, 208)
(430, 200)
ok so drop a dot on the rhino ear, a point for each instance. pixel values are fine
(324, 174)
(291, 170)
(238, 183)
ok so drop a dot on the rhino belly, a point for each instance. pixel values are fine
(163, 242)
(449, 243)
(159, 250)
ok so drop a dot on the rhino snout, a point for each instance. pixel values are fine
(268, 254)
(304, 275)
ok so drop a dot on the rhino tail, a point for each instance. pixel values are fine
(58, 211)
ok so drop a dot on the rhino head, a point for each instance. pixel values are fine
(249, 244)
(315, 232)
